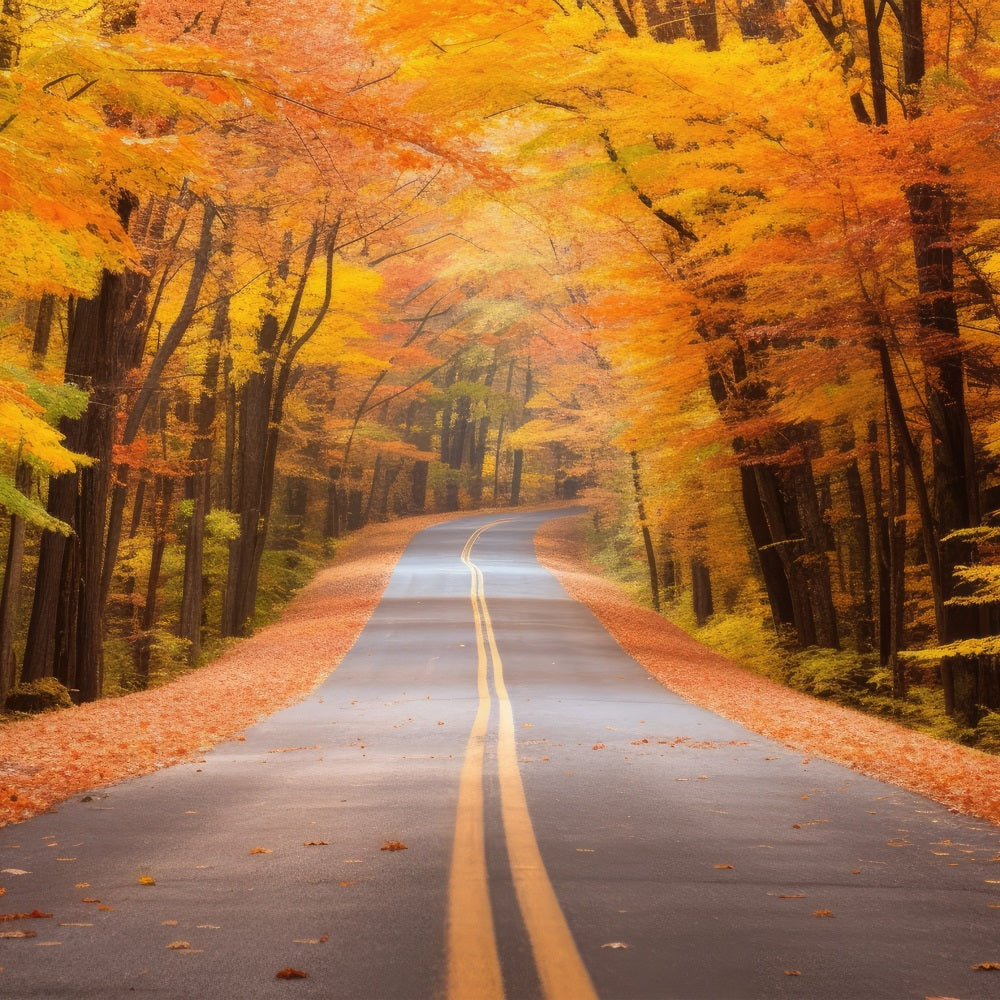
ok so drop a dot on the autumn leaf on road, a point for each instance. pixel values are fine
(260, 850)
(147, 880)
(987, 967)
(822, 913)
(18, 934)
(393, 845)
(33, 915)
(722, 866)
(291, 974)
(178, 945)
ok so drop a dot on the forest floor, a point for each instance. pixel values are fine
(48, 758)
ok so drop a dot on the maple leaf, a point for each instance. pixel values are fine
(393, 845)
(260, 850)
(33, 915)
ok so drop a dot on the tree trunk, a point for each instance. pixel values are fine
(647, 540)
(67, 622)
(701, 591)
(10, 601)
(253, 416)
(197, 489)
(515, 478)
(142, 651)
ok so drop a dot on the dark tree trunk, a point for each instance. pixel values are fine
(418, 487)
(515, 478)
(10, 600)
(859, 554)
(42, 328)
(197, 489)
(701, 591)
(332, 518)
(705, 23)
(254, 412)
(142, 651)
(67, 622)
(647, 540)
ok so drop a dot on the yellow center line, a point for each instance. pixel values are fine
(560, 969)
(473, 961)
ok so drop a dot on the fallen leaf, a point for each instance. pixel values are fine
(147, 880)
(615, 944)
(18, 934)
(598, 746)
(76, 925)
(722, 866)
(792, 972)
(13, 871)
(344, 885)
(315, 843)
(89, 899)
(260, 850)
(46, 944)
(33, 915)
(291, 974)
(208, 927)
(101, 906)
(792, 895)
(393, 845)
(178, 945)
(822, 913)
(168, 923)
(987, 967)
(82, 885)
(307, 940)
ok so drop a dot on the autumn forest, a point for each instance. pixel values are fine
(729, 273)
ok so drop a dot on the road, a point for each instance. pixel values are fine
(571, 829)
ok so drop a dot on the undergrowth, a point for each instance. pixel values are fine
(844, 676)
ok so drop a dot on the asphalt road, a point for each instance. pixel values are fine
(572, 830)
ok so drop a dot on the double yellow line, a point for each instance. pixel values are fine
(474, 971)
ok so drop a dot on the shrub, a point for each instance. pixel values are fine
(38, 696)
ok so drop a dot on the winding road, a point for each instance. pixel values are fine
(489, 799)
